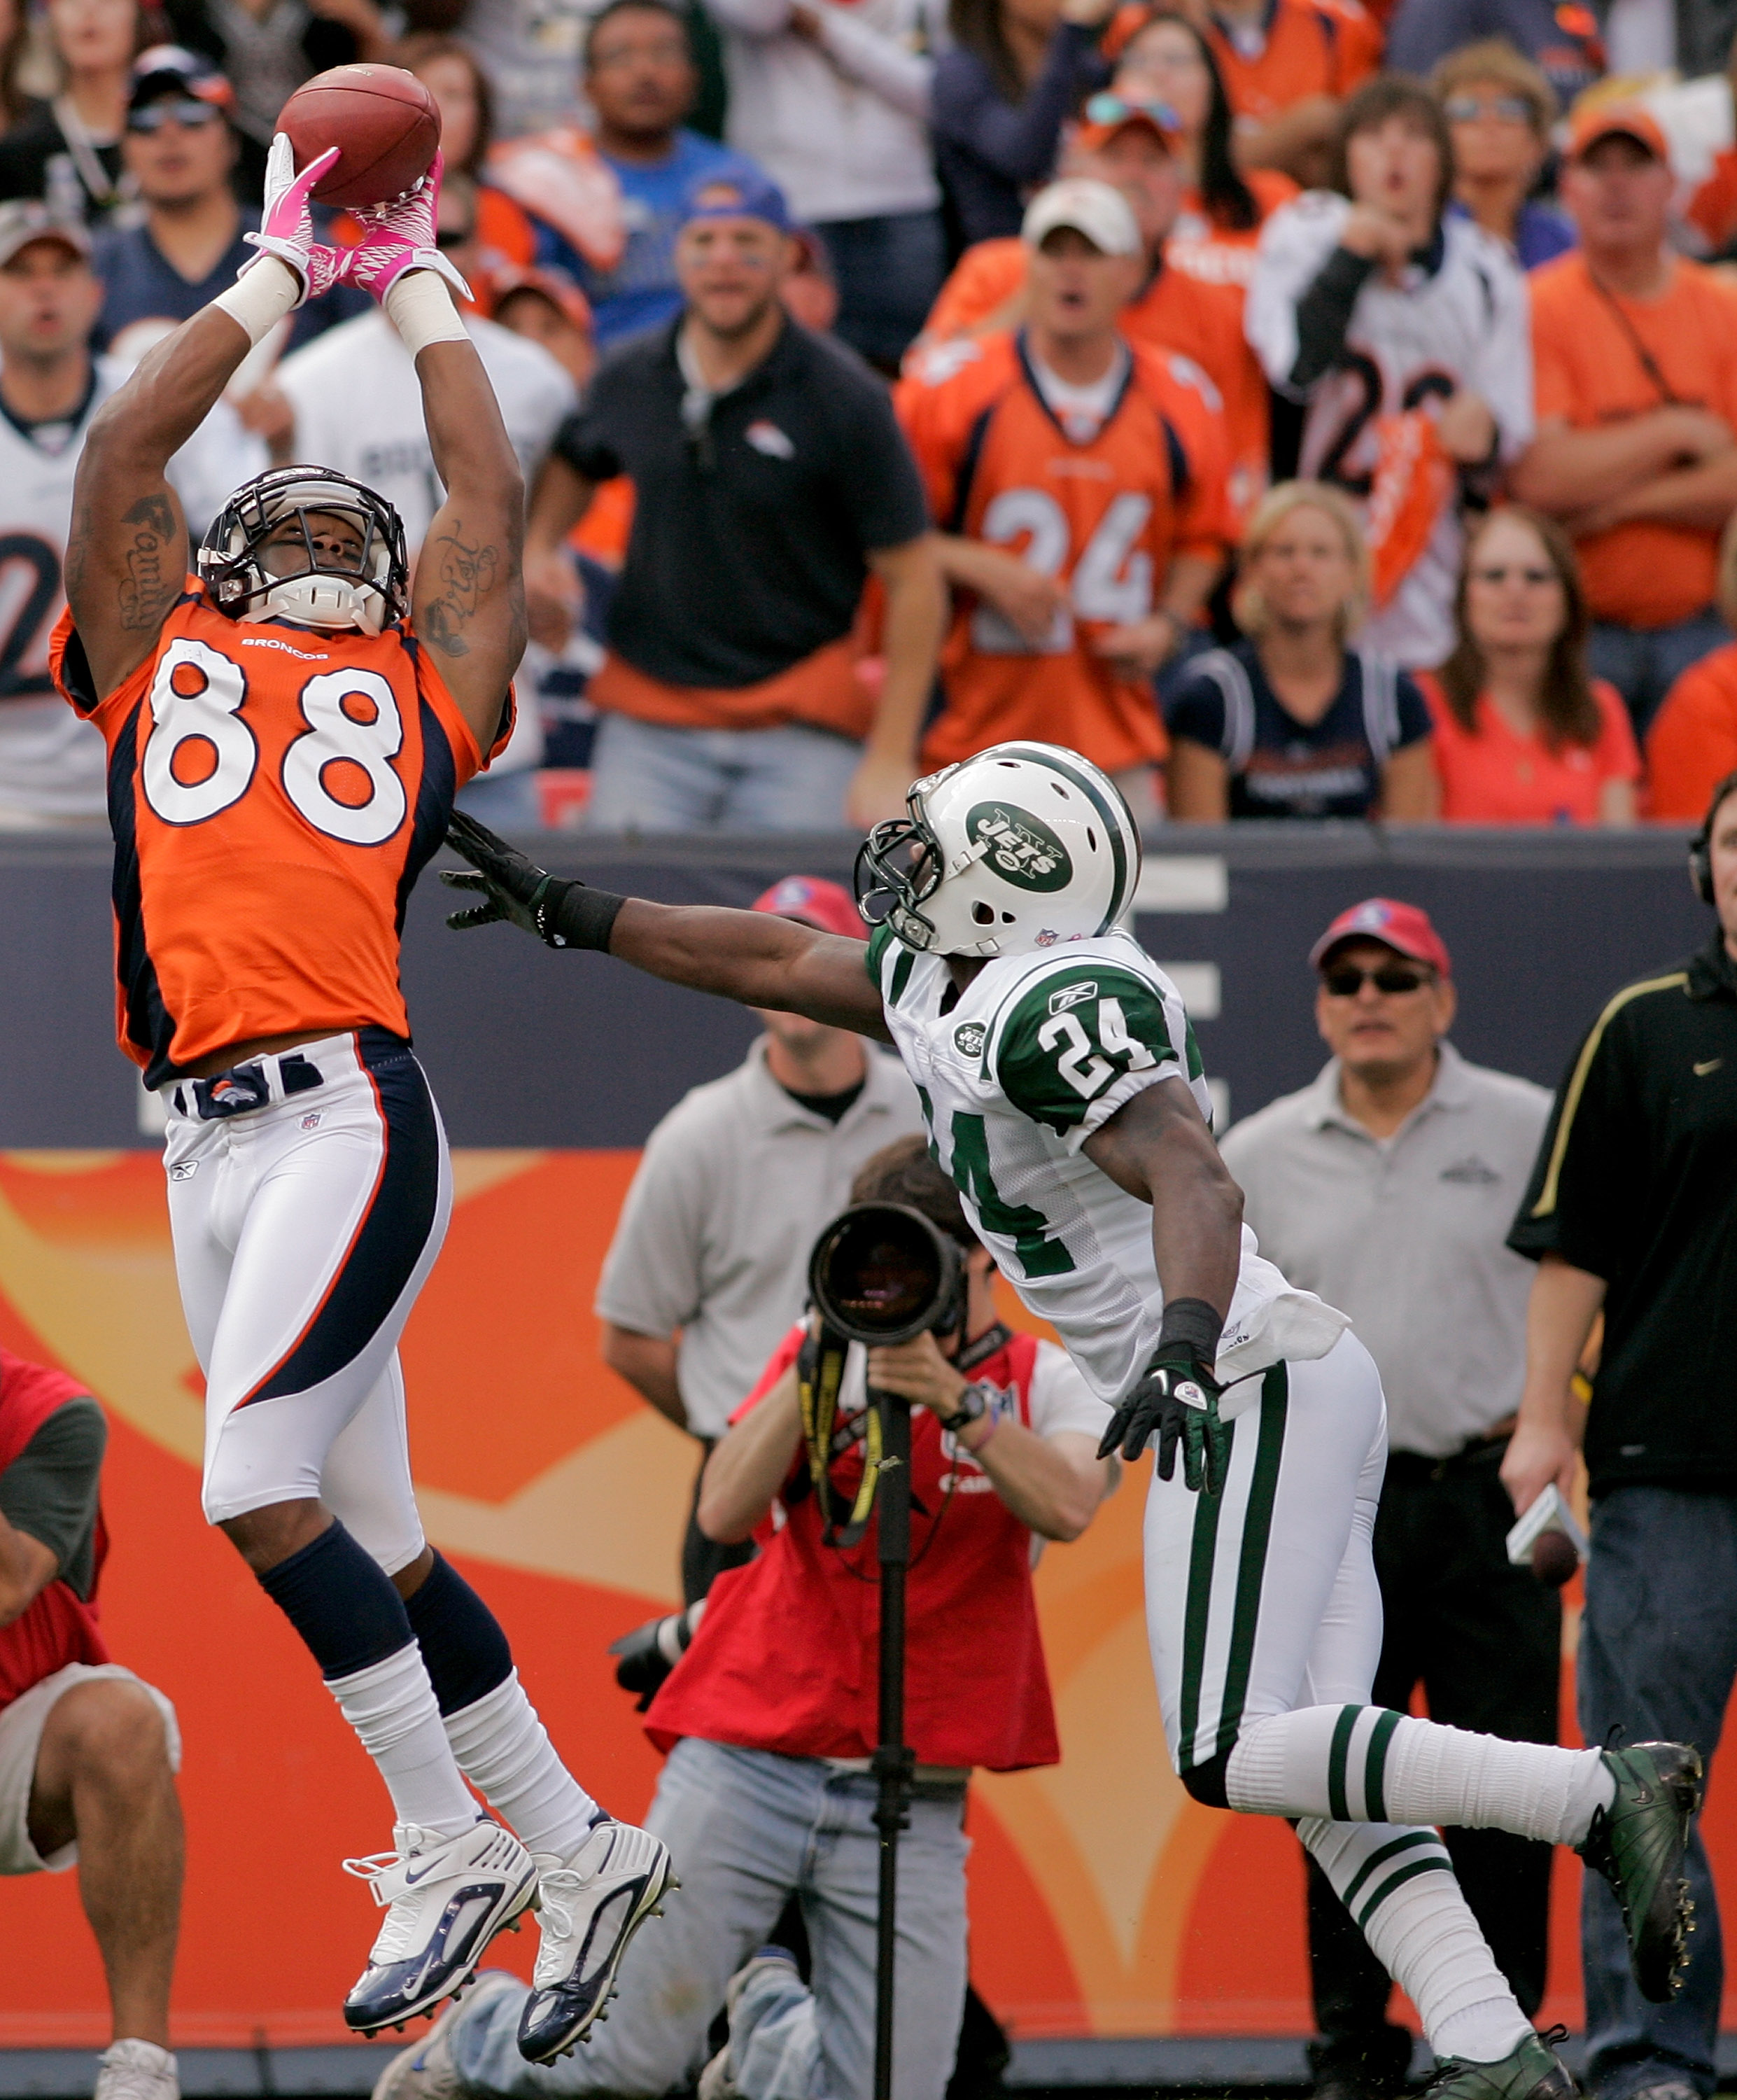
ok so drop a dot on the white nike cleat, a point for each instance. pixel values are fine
(593, 1903)
(135, 2070)
(425, 2070)
(445, 1899)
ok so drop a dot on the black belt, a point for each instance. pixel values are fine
(1413, 1469)
(245, 1087)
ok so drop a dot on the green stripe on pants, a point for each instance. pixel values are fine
(1257, 1530)
(1194, 1623)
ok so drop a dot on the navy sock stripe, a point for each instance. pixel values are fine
(342, 1602)
(464, 1648)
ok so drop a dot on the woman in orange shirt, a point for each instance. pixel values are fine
(1523, 735)
(1162, 57)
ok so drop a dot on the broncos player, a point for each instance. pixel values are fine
(285, 733)
(1063, 1092)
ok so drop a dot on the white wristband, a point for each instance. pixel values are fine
(261, 297)
(420, 307)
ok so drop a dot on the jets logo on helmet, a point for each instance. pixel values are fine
(366, 595)
(1020, 847)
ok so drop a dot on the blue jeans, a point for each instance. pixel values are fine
(746, 1828)
(646, 777)
(1658, 1657)
(888, 271)
(1644, 662)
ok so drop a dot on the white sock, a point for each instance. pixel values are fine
(504, 1750)
(1400, 1887)
(1366, 1763)
(391, 1706)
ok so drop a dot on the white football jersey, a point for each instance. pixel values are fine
(1465, 323)
(359, 408)
(1034, 1055)
(53, 766)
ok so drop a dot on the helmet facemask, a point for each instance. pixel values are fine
(365, 595)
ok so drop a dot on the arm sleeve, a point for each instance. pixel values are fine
(919, 406)
(1197, 713)
(1581, 1189)
(1061, 1398)
(1502, 377)
(878, 478)
(1415, 721)
(585, 440)
(1295, 243)
(1324, 316)
(50, 1489)
(652, 1280)
(1018, 143)
(902, 78)
(1073, 1038)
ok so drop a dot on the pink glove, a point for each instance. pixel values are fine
(400, 236)
(287, 225)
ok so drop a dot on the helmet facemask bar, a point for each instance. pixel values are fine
(889, 895)
(229, 562)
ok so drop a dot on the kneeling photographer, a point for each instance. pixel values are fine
(770, 1716)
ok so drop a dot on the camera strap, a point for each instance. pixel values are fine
(820, 1372)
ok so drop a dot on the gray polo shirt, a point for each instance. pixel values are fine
(1406, 1234)
(715, 1237)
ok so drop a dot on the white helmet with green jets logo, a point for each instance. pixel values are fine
(1019, 848)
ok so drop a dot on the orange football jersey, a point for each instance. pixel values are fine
(1108, 514)
(1175, 312)
(274, 792)
(1307, 47)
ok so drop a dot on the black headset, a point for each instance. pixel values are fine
(1700, 846)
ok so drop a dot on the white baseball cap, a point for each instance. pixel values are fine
(1088, 207)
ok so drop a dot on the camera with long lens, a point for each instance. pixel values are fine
(881, 1274)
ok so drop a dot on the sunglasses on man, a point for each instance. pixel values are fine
(1345, 980)
(191, 115)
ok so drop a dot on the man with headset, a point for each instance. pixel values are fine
(1633, 1212)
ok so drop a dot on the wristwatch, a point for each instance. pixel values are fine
(973, 1404)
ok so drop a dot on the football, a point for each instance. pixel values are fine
(384, 122)
(1554, 1559)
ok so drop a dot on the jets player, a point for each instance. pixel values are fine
(286, 730)
(1062, 1089)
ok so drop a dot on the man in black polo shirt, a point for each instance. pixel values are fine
(769, 478)
(1632, 1210)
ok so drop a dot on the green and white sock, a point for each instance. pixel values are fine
(1368, 1764)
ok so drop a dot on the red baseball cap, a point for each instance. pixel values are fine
(1403, 928)
(824, 906)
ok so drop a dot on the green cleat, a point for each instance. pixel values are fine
(1532, 2071)
(1638, 1845)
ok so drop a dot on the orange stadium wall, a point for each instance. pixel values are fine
(1104, 1901)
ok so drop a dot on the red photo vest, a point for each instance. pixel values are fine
(57, 1628)
(785, 1658)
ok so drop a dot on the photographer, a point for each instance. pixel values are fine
(770, 1716)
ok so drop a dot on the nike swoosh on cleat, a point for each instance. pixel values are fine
(1711, 1065)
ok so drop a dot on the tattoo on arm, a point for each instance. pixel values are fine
(466, 574)
(151, 580)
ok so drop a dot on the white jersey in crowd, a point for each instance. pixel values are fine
(359, 408)
(53, 766)
(1035, 1054)
(1464, 322)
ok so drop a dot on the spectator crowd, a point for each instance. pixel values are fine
(1304, 408)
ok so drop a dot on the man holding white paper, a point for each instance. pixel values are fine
(1386, 1186)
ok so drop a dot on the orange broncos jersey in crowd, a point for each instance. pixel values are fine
(274, 792)
(1108, 514)
(1307, 47)
(1174, 313)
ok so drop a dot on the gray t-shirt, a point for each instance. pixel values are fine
(715, 1237)
(50, 1489)
(1406, 1234)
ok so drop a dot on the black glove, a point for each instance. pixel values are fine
(563, 914)
(1176, 1398)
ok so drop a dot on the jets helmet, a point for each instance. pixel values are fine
(1019, 848)
(376, 591)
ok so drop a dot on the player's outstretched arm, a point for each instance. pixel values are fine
(1158, 1147)
(752, 957)
(127, 553)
